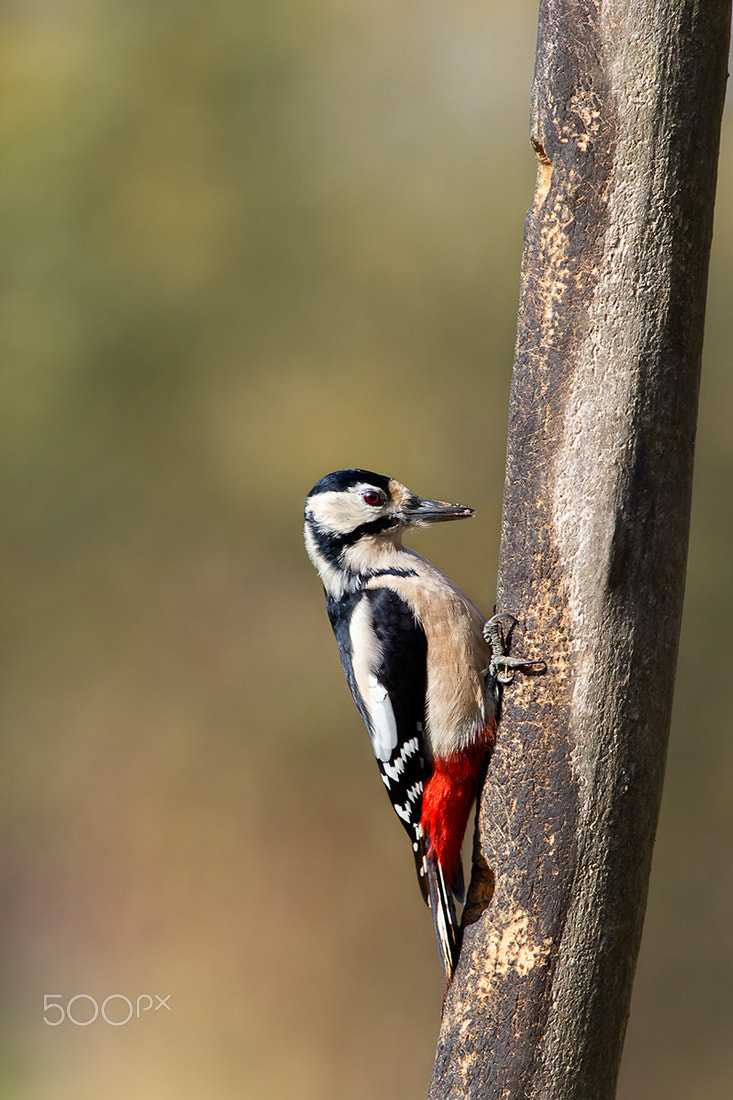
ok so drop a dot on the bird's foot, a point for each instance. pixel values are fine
(502, 667)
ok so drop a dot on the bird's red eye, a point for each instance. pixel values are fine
(372, 497)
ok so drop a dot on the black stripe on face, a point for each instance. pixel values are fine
(331, 544)
(374, 527)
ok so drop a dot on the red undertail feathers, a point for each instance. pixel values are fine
(447, 800)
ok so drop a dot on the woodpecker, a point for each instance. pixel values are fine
(421, 670)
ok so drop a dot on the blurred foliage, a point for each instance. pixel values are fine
(246, 244)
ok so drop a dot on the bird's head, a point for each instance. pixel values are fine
(354, 517)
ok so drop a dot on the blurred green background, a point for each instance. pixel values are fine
(246, 244)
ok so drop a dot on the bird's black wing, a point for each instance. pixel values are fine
(401, 677)
(384, 655)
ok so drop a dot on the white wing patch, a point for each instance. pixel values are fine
(366, 655)
(382, 726)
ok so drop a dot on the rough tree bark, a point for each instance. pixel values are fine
(627, 103)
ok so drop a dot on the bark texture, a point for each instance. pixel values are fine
(627, 103)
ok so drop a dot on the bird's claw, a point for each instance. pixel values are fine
(501, 666)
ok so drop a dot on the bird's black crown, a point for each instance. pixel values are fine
(346, 479)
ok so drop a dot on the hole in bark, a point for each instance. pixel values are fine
(481, 890)
(544, 172)
(540, 153)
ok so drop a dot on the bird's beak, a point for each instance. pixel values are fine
(418, 511)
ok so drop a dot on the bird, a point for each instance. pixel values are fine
(421, 667)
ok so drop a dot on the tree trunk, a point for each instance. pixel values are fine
(627, 104)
